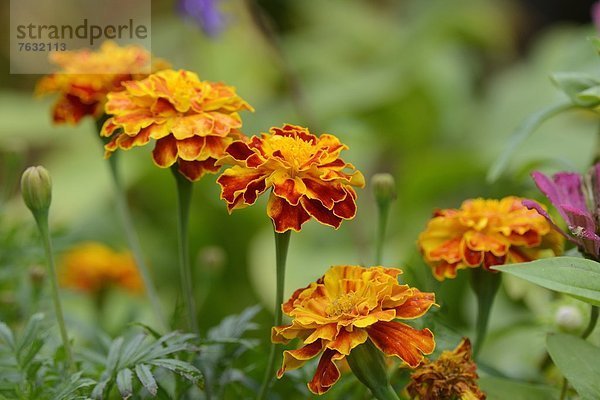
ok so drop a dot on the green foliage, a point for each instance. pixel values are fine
(577, 277)
(27, 372)
(507, 389)
(577, 359)
(142, 353)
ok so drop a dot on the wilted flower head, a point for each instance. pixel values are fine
(92, 267)
(205, 13)
(346, 307)
(86, 77)
(485, 233)
(192, 121)
(578, 202)
(305, 171)
(452, 376)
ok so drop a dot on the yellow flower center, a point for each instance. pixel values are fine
(342, 305)
(295, 150)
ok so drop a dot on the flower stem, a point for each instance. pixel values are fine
(485, 284)
(132, 237)
(384, 212)
(584, 335)
(368, 365)
(184, 197)
(282, 242)
(41, 218)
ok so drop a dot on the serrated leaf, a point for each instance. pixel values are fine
(31, 333)
(98, 392)
(114, 353)
(577, 277)
(578, 361)
(6, 336)
(27, 356)
(182, 368)
(505, 389)
(145, 376)
(132, 349)
(124, 383)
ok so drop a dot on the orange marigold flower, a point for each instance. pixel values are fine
(92, 267)
(86, 77)
(485, 232)
(346, 307)
(192, 121)
(305, 171)
(452, 376)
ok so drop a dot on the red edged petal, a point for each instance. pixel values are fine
(194, 170)
(326, 193)
(316, 210)
(239, 150)
(293, 359)
(346, 208)
(403, 341)
(289, 189)
(235, 180)
(286, 216)
(327, 373)
(165, 152)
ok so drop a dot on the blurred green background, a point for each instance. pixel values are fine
(426, 90)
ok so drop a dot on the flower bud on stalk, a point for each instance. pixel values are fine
(36, 188)
(384, 190)
(368, 365)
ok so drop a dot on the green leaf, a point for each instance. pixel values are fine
(573, 83)
(577, 277)
(132, 349)
(114, 353)
(505, 389)
(145, 376)
(578, 361)
(522, 133)
(6, 336)
(30, 334)
(124, 383)
(590, 95)
(182, 368)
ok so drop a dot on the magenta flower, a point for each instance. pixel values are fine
(577, 199)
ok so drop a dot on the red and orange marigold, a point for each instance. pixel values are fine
(452, 376)
(93, 267)
(486, 233)
(346, 307)
(307, 176)
(86, 77)
(192, 121)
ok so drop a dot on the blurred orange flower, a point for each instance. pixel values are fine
(486, 233)
(92, 267)
(192, 121)
(346, 307)
(86, 77)
(306, 173)
(452, 376)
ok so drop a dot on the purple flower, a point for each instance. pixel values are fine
(205, 13)
(577, 199)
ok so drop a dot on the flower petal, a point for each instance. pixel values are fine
(327, 373)
(286, 216)
(319, 212)
(294, 359)
(416, 305)
(403, 341)
(165, 152)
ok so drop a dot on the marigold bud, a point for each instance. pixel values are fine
(36, 188)
(568, 318)
(384, 188)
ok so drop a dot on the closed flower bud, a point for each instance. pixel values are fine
(37, 275)
(384, 188)
(568, 318)
(36, 188)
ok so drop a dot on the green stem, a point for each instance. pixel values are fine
(584, 335)
(184, 197)
(282, 242)
(132, 237)
(485, 284)
(41, 218)
(384, 212)
(368, 365)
